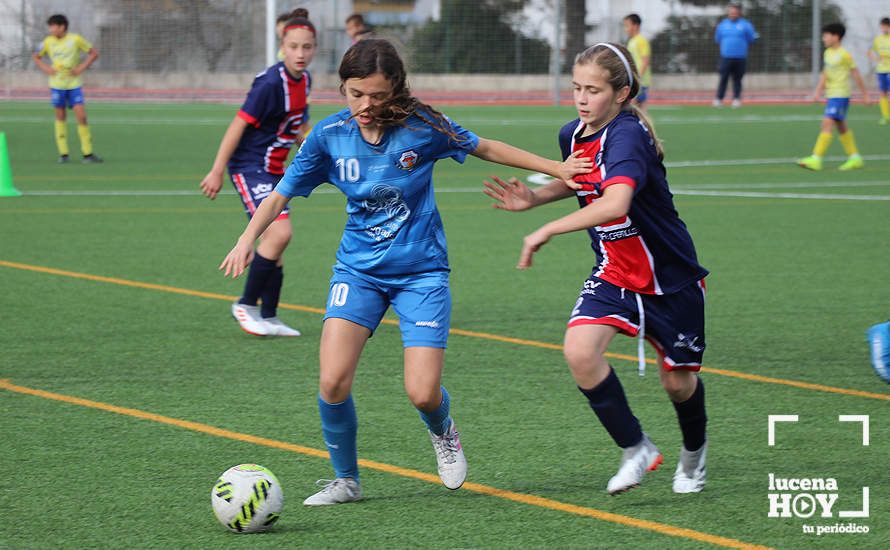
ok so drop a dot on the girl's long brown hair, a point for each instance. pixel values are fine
(376, 55)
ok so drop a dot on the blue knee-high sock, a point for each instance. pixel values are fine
(610, 405)
(257, 278)
(272, 293)
(339, 425)
(439, 420)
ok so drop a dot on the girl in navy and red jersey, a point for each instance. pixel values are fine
(647, 282)
(273, 118)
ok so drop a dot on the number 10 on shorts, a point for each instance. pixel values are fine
(339, 292)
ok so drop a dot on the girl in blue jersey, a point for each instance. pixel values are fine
(273, 118)
(647, 282)
(380, 153)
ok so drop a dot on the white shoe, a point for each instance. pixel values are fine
(635, 462)
(337, 491)
(276, 328)
(250, 320)
(690, 474)
(736, 103)
(717, 103)
(450, 458)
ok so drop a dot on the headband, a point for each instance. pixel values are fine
(630, 74)
(298, 26)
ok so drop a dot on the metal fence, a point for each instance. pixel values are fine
(437, 37)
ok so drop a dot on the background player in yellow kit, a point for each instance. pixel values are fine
(838, 67)
(639, 49)
(880, 52)
(65, 49)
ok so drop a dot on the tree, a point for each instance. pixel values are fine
(473, 36)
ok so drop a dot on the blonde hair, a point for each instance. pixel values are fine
(606, 57)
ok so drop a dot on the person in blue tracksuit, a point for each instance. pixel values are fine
(734, 34)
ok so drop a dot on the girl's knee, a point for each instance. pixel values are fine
(425, 399)
(334, 389)
(679, 384)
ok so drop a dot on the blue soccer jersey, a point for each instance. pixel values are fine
(275, 108)
(393, 226)
(649, 250)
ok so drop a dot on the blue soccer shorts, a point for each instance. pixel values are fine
(422, 302)
(836, 108)
(884, 82)
(674, 323)
(253, 186)
(643, 94)
(66, 98)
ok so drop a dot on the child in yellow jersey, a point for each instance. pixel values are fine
(64, 50)
(880, 53)
(838, 66)
(641, 52)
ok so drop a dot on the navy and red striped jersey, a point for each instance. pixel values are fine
(275, 108)
(649, 250)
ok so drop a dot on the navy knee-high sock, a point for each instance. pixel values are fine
(257, 277)
(610, 405)
(272, 293)
(692, 418)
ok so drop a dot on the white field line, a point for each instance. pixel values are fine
(749, 162)
(791, 185)
(763, 195)
(675, 191)
(465, 121)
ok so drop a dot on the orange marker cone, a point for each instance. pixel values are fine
(7, 189)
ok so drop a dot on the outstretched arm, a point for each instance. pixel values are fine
(212, 182)
(241, 254)
(502, 153)
(515, 196)
(614, 204)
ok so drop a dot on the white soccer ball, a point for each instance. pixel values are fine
(247, 498)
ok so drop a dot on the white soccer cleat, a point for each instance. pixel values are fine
(250, 320)
(337, 491)
(635, 462)
(450, 458)
(717, 103)
(691, 471)
(276, 328)
(736, 103)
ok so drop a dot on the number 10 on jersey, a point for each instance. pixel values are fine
(348, 169)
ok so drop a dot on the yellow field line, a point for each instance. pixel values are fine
(522, 498)
(457, 331)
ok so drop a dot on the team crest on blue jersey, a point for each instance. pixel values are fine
(408, 160)
(598, 160)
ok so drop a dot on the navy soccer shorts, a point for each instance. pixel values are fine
(253, 186)
(674, 323)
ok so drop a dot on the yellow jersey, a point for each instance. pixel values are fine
(837, 66)
(881, 46)
(64, 53)
(639, 48)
